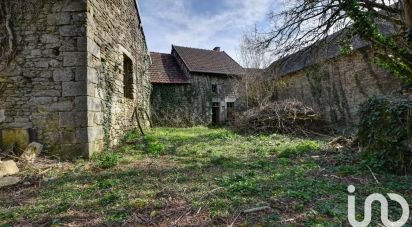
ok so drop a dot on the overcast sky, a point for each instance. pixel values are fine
(201, 23)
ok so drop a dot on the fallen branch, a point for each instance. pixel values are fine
(184, 214)
(234, 220)
(373, 174)
(257, 209)
(135, 114)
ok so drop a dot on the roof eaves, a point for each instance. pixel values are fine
(219, 73)
(136, 4)
(180, 56)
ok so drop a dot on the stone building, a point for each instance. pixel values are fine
(331, 82)
(193, 86)
(78, 77)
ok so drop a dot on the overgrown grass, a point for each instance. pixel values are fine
(202, 176)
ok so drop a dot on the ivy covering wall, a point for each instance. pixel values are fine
(180, 105)
(337, 86)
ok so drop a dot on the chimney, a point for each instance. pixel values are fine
(217, 49)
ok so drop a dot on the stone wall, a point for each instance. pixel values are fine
(114, 32)
(188, 105)
(174, 105)
(337, 86)
(41, 88)
(68, 61)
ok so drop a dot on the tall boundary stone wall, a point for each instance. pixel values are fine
(336, 87)
(55, 84)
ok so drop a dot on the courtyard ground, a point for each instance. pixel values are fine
(201, 176)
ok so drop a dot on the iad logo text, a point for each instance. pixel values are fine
(384, 209)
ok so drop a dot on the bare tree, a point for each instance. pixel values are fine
(308, 22)
(254, 88)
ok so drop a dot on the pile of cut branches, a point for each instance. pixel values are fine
(286, 117)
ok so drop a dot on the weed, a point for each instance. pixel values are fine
(241, 183)
(300, 149)
(154, 147)
(107, 160)
(212, 170)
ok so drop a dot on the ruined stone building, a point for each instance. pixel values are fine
(78, 78)
(193, 86)
(331, 82)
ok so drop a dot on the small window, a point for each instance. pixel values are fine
(128, 77)
(214, 88)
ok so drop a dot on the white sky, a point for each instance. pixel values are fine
(201, 23)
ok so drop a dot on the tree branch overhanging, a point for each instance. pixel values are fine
(307, 23)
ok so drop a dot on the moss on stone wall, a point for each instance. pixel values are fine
(328, 93)
(179, 105)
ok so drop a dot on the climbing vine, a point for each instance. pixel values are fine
(385, 132)
(180, 105)
(325, 91)
(394, 53)
(106, 90)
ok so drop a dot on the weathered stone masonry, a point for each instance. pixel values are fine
(338, 85)
(55, 85)
(115, 33)
(193, 87)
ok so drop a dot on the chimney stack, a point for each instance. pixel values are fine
(217, 49)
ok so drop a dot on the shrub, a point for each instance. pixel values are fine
(154, 147)
(385, 132)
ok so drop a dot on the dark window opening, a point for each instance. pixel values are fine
(128, 77)
(214, 88)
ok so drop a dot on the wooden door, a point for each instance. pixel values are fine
(230, 111)
(215, 113)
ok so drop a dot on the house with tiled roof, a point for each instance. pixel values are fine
(193, 86)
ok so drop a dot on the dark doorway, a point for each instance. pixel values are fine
(230, 111)
(215, 113)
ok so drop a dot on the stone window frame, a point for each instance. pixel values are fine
(128, 77)
(125, 53)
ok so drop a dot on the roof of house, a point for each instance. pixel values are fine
(319, 52)
(165, 70)
(208, 61)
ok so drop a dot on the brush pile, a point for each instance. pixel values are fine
(285, 117)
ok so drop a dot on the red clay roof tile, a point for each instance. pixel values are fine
(208, 61)
(165, 70)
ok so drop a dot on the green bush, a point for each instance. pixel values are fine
(154, 147)
(385, 132)
(300, 149)
(107, 160)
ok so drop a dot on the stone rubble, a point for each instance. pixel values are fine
(32, 151)
(9, 181)
(8, 168)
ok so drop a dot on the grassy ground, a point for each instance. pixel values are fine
(200, 176)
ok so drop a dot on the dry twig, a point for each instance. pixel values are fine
(373, 174)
